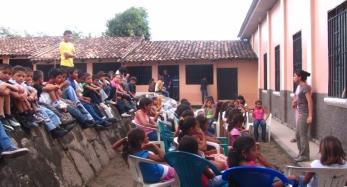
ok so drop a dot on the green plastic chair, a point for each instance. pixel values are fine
(163, 129)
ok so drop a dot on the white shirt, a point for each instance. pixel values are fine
(317, 164)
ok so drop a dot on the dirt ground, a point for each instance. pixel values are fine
(117, 174)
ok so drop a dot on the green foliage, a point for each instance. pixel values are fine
(6, 32)
(132, 22)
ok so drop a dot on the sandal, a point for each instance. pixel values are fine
(293, 140)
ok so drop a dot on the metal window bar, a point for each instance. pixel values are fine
(337, 33)
(142, 73)
(21, 62)
(297, 54)
(265, 71)
(194, 73)
(277, 68)
(105, 66)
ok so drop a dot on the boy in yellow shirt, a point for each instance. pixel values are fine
(67, 51)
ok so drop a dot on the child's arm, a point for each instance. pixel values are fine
(64, 84)
(140, 116)
(91, 88)
(267, 114)
(308, 177)
(209, 174)
(50, 87)
(131, 94)
(32, 95)
(203, 106)
(161, 153)
(215, 115)
(118, 145)
(212, 140)
(13, 88)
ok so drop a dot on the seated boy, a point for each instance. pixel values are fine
(122, 108)
(7, 149)
(50, 120)
(53, 86)
(18, 98)
(131, 88)
(7, 120)
(36, 79)
(121, 93)
(106, 86)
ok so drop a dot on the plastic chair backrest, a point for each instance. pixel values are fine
(332, 177)
(162, 133)
(260, 176)
(162, 145)
(199, 111)
(189, 167)
(137, 174)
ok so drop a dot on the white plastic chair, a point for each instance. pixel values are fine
(249, 124)
(332, 177)
(137, 174)
(161, 144)
(199, 111)
(216, 125)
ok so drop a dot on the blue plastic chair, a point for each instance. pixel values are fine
(188, 167)
(246, 176)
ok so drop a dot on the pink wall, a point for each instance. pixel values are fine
(263, 48)
(275, 39)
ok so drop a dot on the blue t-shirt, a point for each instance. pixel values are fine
(167, 79)
(72, 83)
(151, 172)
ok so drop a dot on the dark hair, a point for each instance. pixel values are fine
(258, 101)
(183, 100)
(122, 69)
(201, 120)
(95, 77)
(218, 109)
(243, 143)
(64, 71)
(188, 144)
(187, 113)
(144, 102)
(5, 66)
(236, 119)
(241, 98)
(150, 81)
(210, 97)
(80, 73)
(181, 109)
(17, 68)
(70, 70)
(133, 79)
(54, 72)
(37, 75)
(186, 103)
(27, 70)
(132, 141)
(303, 74)
(331, 151)
(67, 32)
(185, 124)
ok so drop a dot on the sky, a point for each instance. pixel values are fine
(168, 19)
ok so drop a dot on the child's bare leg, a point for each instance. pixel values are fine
(7, 101)
(26, 105)
(18, 105)
(53, 96)
(1, 105)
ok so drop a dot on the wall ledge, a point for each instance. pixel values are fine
(264, 91)
(335, 102)
(276, 93)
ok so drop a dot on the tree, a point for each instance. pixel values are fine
(8, 33)
(132, 22)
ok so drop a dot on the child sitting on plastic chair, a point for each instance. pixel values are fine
(136, 144)
(245, 153)
(209, 179)
(258, 119)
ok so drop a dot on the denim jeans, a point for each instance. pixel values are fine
(50, 125)
(204, 94)
(107, 90)
(129, 99)
(90, 109)
(153, 136)
(50, 107)
(122, 107)
(76, 113)
(262, 124)
(92, 95)
(70, 94)
(217, 181)
(5, 141)
(210, 128)
(165, 93)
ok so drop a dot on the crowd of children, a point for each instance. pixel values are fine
(27, 101)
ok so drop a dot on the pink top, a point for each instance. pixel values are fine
(137, 121)
(252, 163)
(258, 114)
(114, 84)
(234, 134)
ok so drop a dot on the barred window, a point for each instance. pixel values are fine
(1, 61)
(337, 51)
(194, 73)
(21, 62)
(105, 67)
(142, 73)
(277, 68)
(265, 71)
(297, 55)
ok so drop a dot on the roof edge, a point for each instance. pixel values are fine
(248, 16)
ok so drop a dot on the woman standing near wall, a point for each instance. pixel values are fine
(305, 105)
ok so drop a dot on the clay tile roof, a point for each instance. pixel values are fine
(191, 50)
(93, 48)
(26, 46)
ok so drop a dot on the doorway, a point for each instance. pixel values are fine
(227, 83)
(172, 70)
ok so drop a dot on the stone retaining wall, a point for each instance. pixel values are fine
(66, 162)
